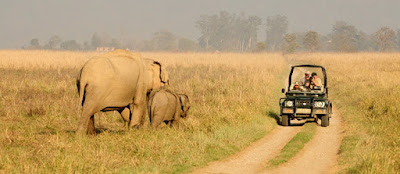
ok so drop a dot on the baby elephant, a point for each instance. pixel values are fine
(167, 106)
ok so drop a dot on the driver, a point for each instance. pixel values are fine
(305, 79)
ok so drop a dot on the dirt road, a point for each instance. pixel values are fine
(318, 156)
(250, 159)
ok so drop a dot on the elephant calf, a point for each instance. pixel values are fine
(167, 106)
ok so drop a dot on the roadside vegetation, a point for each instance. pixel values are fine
(233, 100)
(365, 88)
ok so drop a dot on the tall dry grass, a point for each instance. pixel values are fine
(233, 104)
(365, 88)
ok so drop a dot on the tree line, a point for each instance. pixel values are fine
(239, 33)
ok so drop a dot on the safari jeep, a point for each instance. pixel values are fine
(306, 102)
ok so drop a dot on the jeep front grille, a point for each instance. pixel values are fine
(303, 103)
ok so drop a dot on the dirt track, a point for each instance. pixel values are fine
(318, 156)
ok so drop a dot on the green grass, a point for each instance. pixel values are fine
(294, 145)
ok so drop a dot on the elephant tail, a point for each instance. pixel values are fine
(81, 84)
(150, 107)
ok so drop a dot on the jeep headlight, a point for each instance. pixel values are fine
(319, 104)
(289, 103)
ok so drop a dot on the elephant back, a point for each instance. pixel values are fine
(124, 53)
(113, 78)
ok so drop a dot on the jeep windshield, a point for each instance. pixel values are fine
(307, 80)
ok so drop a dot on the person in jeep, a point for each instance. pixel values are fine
(305, 79)
(297, 87)
(314, 81)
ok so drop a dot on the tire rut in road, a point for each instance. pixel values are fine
(320, 154)
(251, 159)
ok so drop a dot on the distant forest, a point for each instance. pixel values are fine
(239, 33)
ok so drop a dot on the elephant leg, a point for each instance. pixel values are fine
(139, 100)
(87, 114)
(155, 121)
(137, 113)
(145, 113)
(91, 129)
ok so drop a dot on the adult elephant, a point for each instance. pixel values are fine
(115, 81)
(156, 77)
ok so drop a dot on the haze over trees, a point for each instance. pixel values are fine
(34, 44)
(344, 37)
(385, 39)
(289, 44)
(54, 42)
(232, 32)
(277, 27)
(311, 41)
(228, 32)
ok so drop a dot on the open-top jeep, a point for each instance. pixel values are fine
(305, 98)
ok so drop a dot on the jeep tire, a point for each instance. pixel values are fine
(285, 120)
(324, 120)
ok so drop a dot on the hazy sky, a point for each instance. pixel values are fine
(22, 20)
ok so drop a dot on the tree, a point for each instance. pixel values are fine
(100, 40)
(385, 39)
(70, 45)
(96, 40)
(290, 43)
(276, 30)
(185, 44)
(311, 41)
(364, 42)
(86, 46)
(54, 42)
(228, 32)
(344, 37)
(164, 41)
(116, 43)
(398, 38)
(260, 47)
(34, 44)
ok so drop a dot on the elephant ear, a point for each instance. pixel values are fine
(184, 100)
(163, 73)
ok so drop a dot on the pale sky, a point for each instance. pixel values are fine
(22, 20)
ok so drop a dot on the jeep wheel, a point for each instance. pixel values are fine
(285, 120)
(324, 120)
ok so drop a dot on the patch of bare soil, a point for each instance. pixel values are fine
(250, 160)
(320, 154)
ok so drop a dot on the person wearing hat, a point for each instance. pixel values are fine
(305, 79)
(314, 80)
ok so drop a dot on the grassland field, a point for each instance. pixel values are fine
(234, 100)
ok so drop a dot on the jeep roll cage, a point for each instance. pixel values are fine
(309, 66)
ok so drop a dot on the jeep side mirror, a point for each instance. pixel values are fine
(283, 90)
(326, 90)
